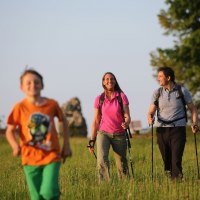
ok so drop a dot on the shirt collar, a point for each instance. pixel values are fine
(175, 87)
(115, 94)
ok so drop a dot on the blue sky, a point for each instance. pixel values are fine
(72, 43)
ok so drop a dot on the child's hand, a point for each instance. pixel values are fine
(66, 152)
(16, 151)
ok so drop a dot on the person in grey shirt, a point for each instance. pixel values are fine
(169, 101)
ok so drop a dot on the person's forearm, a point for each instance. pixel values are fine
(94, 131)
(93, 135)
(194, 115)
(65, 132)
(11, 138)
(195, 118)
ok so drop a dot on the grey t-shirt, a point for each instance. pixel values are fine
(171, 106)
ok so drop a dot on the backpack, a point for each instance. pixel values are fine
(180, 95)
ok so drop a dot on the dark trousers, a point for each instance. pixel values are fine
(171, 142)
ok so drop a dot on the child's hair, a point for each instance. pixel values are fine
(31, 71)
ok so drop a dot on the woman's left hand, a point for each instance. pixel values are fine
(124, 125)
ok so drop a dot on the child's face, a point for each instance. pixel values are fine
(31, 85)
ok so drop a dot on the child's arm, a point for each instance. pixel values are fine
(11, 137)
(66, 150)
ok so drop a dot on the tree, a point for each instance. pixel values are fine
(181, 20)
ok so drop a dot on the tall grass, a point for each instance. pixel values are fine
(78, 176)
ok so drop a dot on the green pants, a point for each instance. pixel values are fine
(43, 181)
(119, 146)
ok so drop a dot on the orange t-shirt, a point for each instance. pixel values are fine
(38, 136)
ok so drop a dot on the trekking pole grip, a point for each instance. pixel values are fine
(91, 143)
(129, 132)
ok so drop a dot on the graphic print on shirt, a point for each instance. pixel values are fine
(39, 125)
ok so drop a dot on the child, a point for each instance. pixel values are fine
(33, 117)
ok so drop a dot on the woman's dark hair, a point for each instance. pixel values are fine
(117, 87)
(31, 71)
(168, 72)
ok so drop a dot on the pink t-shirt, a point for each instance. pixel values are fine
(111, 118)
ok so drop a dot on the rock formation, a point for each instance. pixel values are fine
(76, 121)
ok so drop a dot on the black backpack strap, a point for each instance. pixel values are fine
(156, 102)
(101, 100)
(180, 92)
(119, 98)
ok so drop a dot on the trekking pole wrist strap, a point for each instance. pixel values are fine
(92, 143)
(195, 126)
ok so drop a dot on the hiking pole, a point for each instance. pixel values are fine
(152, 151)
(91, 145)
(152, 148)
(128, 134)
(195, 140)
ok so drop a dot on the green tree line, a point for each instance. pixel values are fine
(181, 20)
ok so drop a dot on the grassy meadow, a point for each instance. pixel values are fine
(78, 176)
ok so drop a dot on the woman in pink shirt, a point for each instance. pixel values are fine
(109, 127)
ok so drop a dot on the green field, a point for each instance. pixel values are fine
(78, 177)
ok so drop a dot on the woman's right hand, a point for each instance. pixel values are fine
(91, 145)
